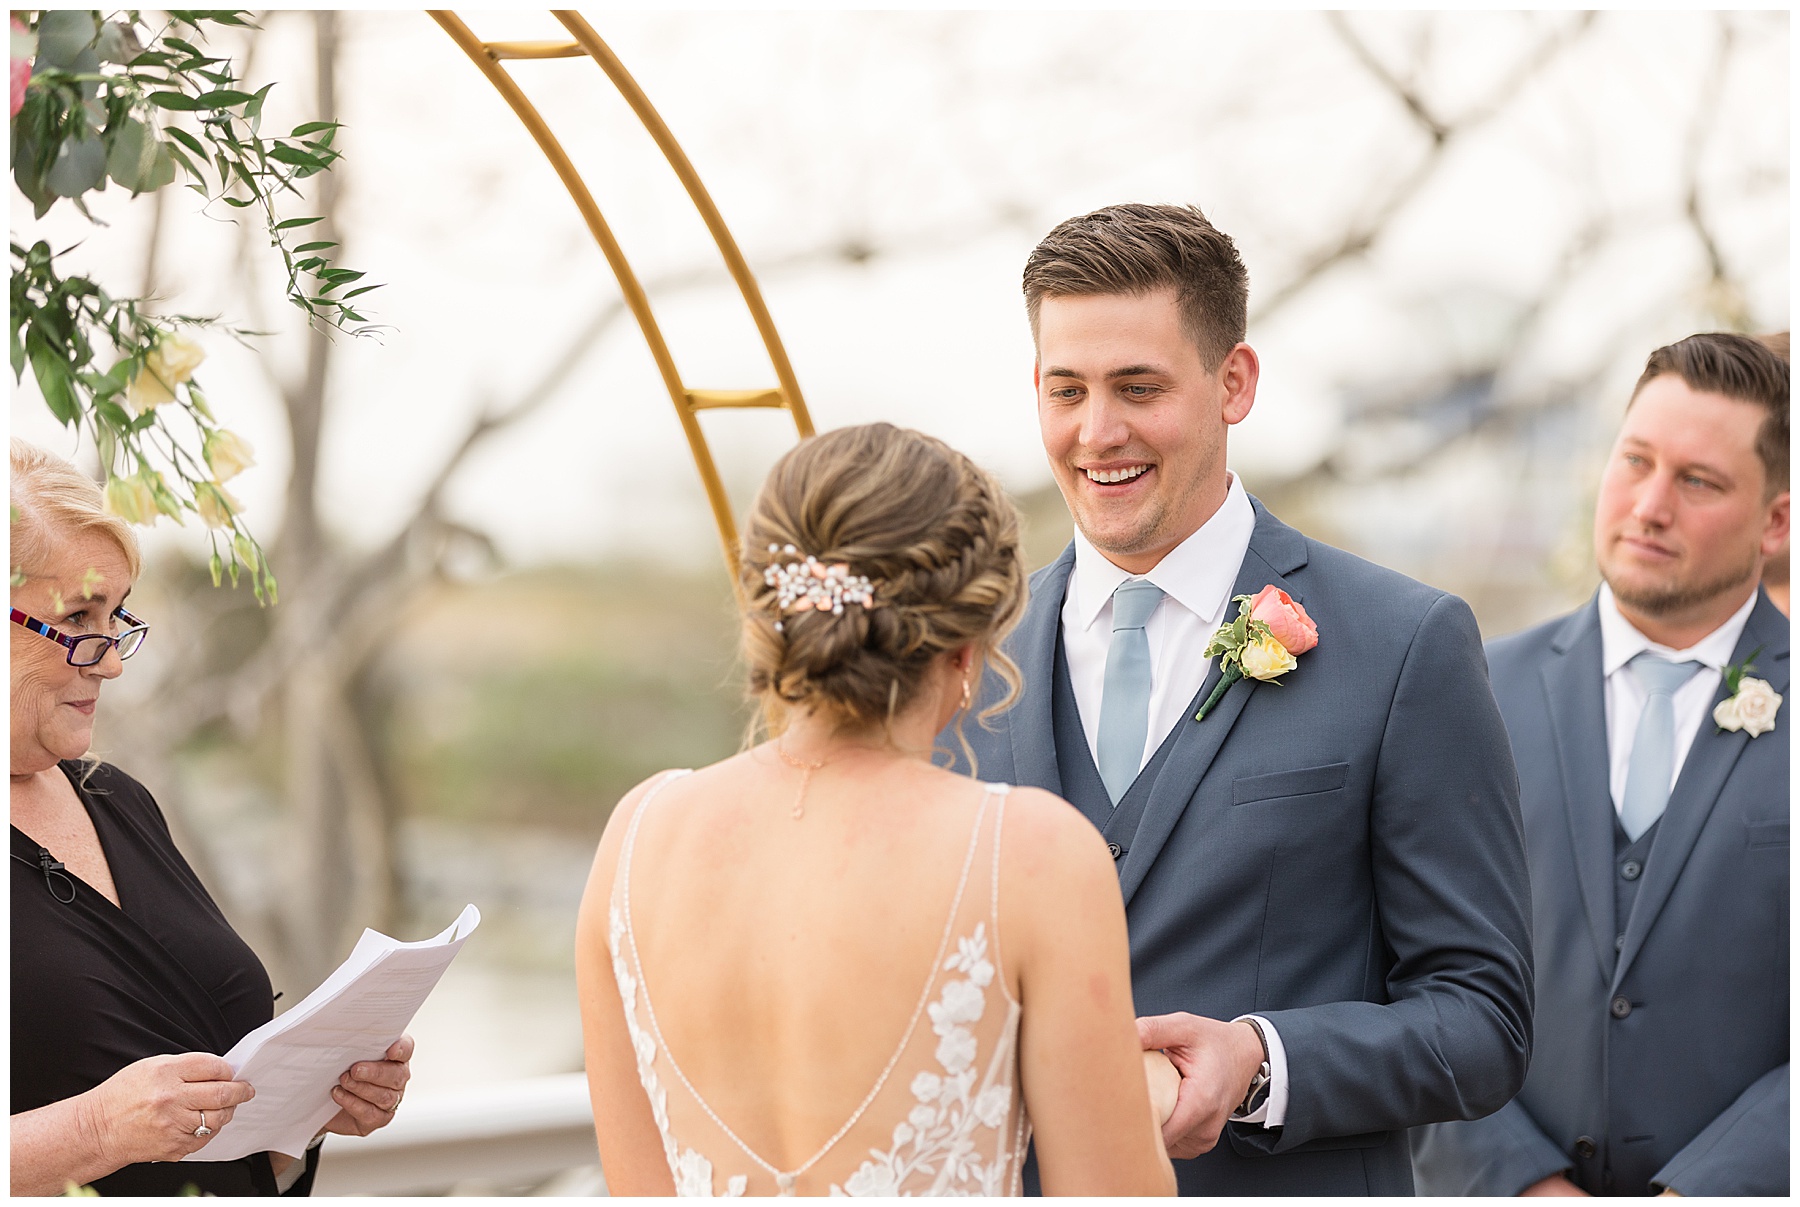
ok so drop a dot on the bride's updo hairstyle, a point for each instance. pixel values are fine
(933, 533)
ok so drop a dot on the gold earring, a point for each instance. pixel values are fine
(966, 693)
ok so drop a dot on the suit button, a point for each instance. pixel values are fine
(1620, 1007)
(1631, 869)
(1584, 1147)
(1115, 849)
(1618, 942)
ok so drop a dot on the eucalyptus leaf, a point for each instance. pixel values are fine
(131, 155)
(63, 34)
(118, 43)
(79, 168)
(162, 168)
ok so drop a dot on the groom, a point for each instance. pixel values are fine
(1324, 878)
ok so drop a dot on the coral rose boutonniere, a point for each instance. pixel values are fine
(1265, 642)
(1752, 704)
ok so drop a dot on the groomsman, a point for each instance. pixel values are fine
(1651, 731)
(1321, 858)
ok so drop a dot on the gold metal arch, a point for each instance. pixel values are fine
(689, 402)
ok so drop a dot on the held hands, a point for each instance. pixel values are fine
(371, 1090)
(1216, 1061)
(1165, 1085)
(150, 1109)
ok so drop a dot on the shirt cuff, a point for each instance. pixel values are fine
(1273, 1111)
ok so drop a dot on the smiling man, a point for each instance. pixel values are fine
(1323, 878)
(1653, 744)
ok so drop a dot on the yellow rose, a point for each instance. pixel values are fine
(228, 453)
(1266, 658)
(171, 362)
(215, 504)
(131, 499)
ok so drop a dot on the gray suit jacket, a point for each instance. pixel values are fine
(1340, 853)
(1662, 1037)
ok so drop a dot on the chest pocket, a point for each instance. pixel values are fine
(1307, 781)
(1766, 833)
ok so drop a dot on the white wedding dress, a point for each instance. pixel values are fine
(945, 1117)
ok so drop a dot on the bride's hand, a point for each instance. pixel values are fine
(1165, 1084)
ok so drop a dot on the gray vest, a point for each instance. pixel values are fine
(1629, 861)
(1081, 783)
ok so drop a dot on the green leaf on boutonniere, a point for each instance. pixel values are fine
(1735, 672)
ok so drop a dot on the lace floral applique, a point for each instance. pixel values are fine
(936, 1138)
(693, 1173)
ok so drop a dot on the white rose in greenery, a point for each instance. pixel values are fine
(1752, 709)
(215, 504)
(132, 500)
(228, 453)
(171, 362)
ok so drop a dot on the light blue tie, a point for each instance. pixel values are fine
(1125, 699)
(1649, 774)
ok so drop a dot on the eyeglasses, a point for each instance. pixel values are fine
(90, 648)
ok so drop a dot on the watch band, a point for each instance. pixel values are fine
(1259, 1084)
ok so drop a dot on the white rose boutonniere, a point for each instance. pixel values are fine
(1752, 704)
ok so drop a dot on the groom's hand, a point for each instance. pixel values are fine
(1217, 1062)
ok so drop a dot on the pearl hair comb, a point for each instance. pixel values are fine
(809, 585)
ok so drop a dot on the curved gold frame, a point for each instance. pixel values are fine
(488, 56)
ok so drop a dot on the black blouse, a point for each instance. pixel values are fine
(97, 986)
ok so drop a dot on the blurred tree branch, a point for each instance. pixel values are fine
(1361, 233)
(1724, 294)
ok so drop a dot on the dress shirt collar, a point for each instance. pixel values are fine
(1620, 641)
(1198, 574)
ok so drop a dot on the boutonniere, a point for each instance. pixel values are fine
(1752, 703)
(1265, 641)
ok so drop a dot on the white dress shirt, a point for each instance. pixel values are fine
(1620, 642)
(1196, 578)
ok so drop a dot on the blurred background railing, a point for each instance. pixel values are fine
(532, 1136)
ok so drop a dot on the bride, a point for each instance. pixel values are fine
(825, 965)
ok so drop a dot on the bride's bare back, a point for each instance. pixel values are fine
(871, 998)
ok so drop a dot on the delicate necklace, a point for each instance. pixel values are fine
(805, 769)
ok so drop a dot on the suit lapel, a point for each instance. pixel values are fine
(1275, 550)
(1033, 647)
(1709, 763)
(1574, 690)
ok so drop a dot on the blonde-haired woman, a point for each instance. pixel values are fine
(126, 978)
(826, 965)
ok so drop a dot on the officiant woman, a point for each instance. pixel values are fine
(126, 978)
